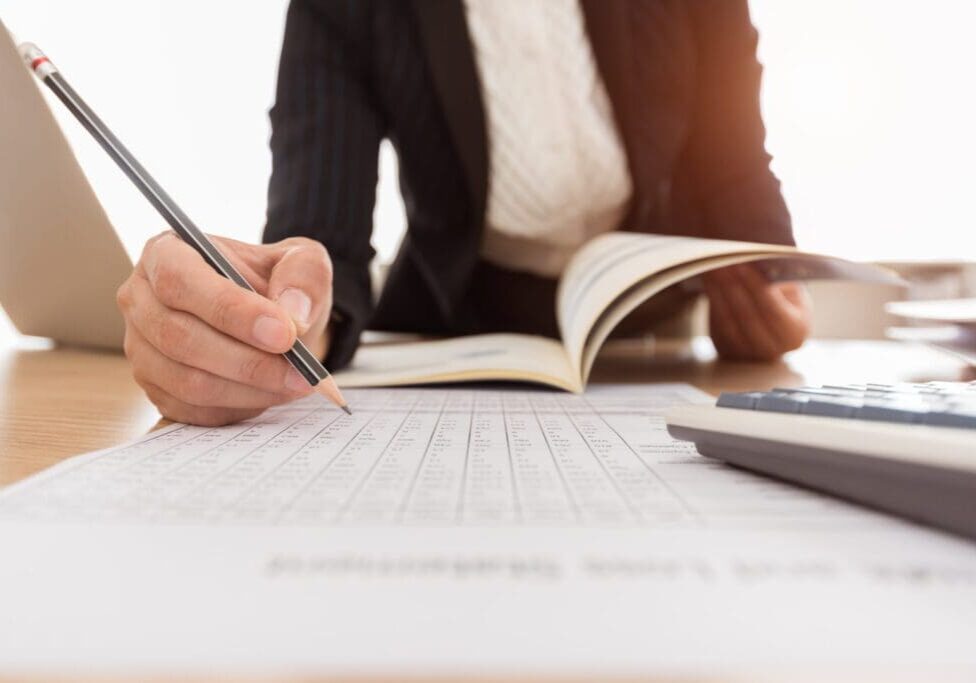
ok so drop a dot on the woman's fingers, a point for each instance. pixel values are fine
(182, 281)
(207, 416)
(192, 385)
(189, 341)
(755, 341)
(207, 350)
(301, 283)
(784, 307)
(729, 340)
(752, 319)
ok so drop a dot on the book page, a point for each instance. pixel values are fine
(625, 269)
(774, 269)
(463, 533)
(606, 280)
(638, 294)
(510, 357)
(611, 264)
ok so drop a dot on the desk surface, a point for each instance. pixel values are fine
(59, 402)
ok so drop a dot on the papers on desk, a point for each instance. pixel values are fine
(462, 531)
(403, 457)
(961, 311)
(957, 340)
(951, 325)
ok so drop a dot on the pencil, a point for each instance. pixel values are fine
(299, 356)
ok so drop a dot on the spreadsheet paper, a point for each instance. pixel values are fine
(464, 532)
(425, 457)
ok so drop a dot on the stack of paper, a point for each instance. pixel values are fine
(948, 324)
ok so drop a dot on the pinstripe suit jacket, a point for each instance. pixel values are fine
(683, 80)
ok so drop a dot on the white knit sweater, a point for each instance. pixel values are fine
(558, 172)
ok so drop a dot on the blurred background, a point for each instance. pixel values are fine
(869, 106)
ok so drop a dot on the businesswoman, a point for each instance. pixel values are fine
(523, 128)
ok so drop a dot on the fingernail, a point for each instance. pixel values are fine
(271, 332)
(295, 382)
(297, 304)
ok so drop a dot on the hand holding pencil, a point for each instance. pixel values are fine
(207, 351)
(203, 323)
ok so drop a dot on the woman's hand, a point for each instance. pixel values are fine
(752, 319)
(207, 351)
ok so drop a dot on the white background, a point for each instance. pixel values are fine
(870, 107)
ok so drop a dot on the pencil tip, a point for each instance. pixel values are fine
(328, 388)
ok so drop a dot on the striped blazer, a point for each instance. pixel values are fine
(683, 79)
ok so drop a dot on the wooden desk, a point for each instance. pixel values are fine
(59, 402)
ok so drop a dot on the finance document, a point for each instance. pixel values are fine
(425, 457)
(463, 531)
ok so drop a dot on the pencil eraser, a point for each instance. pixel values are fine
(36, 60)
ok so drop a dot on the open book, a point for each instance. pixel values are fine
(606, 280)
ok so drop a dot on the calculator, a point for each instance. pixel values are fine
(907, 449)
